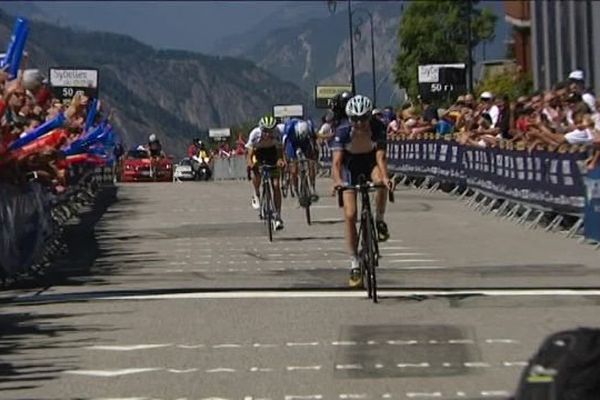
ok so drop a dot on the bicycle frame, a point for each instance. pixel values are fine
(267, 204)
(367, 233)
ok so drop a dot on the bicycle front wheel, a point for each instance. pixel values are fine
(305, 197)
(370, 257)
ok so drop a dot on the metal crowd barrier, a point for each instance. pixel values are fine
(229, 168)
(32, 217)
(508, 180)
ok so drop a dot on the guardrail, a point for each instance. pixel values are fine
(32, 217)
(229, 168)
(509, 179)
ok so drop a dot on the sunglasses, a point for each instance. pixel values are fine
(355, 118)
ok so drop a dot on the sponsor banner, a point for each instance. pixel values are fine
(217, 133)
(67, 82)
(324, 93)
(288, 110)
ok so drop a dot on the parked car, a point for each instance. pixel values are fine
(138, 166)
(183, 170)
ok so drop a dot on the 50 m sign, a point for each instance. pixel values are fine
(67, 82)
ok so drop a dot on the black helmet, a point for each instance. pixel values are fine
(339, 101)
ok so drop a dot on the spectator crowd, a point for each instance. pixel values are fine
(43, 138)
(567, 114)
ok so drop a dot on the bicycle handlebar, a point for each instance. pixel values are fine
(368, 186)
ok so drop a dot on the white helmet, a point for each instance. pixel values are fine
(302, 130)
(152, 138)
(359, 106)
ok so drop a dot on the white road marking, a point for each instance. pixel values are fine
(303, 368)
(508, 341)
(495, 393)
(348, 366)
(402, 342)
(293, 344)
(273, 294)
(217, 370)
(477, 365)
(353, 396)
(130, 347)
(183, 371)
(257, 369)
(346, 343)
(110, 372)
(515, 363)
(413, 365)
(190, 346)
(264, 345)
(309, 397)
(414, 395)
(461, 341)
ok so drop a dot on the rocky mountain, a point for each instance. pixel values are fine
(310, 51)
(314, 49)
(175, 94)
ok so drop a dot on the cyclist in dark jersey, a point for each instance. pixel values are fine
(359, 148)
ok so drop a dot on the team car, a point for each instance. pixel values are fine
(184, 171)
(138, 166)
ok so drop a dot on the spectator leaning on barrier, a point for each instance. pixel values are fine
(489, 107)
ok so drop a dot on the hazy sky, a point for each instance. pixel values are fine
(193, 25)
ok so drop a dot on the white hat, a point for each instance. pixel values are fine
(486, 95)
(576, 75)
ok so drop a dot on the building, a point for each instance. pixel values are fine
(552, 38)
(518, 16)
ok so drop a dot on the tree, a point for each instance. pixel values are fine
(435, 32)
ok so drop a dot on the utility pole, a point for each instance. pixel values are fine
(353, 81)
(469, 45)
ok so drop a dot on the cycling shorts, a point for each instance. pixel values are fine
(292, 147)
(355, 165)
(266, 156)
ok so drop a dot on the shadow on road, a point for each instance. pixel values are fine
(25, 340)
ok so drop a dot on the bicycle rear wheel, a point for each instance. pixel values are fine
(286, 184)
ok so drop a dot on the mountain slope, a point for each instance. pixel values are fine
(176, 94)
(309, 51)
(316, 50)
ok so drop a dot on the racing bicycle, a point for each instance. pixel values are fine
(367, 234)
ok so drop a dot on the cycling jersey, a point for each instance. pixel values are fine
(266, 146)
(358, 156)
(292, 143)
(259, 139)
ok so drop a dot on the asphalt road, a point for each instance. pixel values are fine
(172, 291)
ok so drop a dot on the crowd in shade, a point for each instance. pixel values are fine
(43, 138)
(568, 114)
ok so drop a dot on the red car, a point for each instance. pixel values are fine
(139, 167)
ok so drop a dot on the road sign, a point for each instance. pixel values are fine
(219, 133)
(324, 93)
(66, 82)
(289, 110)
(439, 81)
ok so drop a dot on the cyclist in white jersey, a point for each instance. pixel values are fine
(264, 148)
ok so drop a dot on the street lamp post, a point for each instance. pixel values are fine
(373, 76)
(353, 81)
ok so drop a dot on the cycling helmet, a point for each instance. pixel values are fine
(267, 122)
(152, 138)
(359, 106)
(339, 101)
(302, 130)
